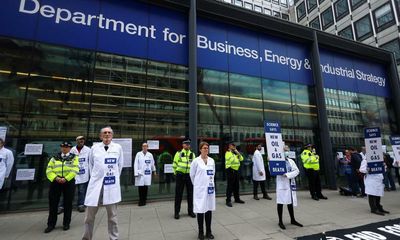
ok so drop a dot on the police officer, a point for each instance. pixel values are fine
(232, 164)
(311, 166)
(181, 166)
(61, 171)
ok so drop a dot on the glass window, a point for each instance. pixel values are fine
(277, 14)
(341, 9)
(311, 5)
(321, 1)
(275, 1)
(397, 6)
(239, 3)
(363, 28)
(327, 18)
(356, 3)
(296, 1)
(393, 46)
(257, 8)
(285, 16)
(301, 11)
(267, 11)
(315, 23)
(384, 17)
(228, 1)
(284, 3)
(248, 5)
(347, 33)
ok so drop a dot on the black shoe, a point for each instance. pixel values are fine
(256, 197)
(60, 210)
(384, 211)
(267, 197)
(192, 214)
(322, 197)
(209, 235)
(48, 229)
(66, 227)
(200, 236)
(141, 204)
(176, 216)
(294, 222)
(282, 226)
(81, 209)
(315, 198)
(229, 204)
(239, 201)
(378, 213)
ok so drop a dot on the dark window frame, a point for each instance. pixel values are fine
(333, 18)
(389, 42)
(299, 18)
(320, 1)
(346, 28)
(319, 22)
(313, 7)
(287, 17)
(338, 17)
(366, 35)
(276, 14)
(388, 24)
(357, 5)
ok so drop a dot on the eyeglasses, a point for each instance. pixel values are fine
(107, 132)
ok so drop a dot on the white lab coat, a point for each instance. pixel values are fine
(202, 177)
(143, 167)
(373, 182)
(286, 186)
(83, 175)
(105, 168)
(6, 164)
(258, 166)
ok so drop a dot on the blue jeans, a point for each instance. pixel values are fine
(81, 193)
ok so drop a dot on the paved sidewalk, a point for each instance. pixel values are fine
(255, 220)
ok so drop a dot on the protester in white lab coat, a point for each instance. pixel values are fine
(374, 188)
(202, 172)
(286, 190)
(259, 174)
(105, 166)
(6, 163)
(143, 168)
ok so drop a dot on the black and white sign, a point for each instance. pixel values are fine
(374, 151)
(273, 138)
(395, 141)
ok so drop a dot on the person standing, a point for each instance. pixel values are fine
(374, 188)
(259, 174)
(356, 159)
(202, 172)
(165, 178)
(286, 190)
(347, 171)
(61, 171)
(6, 163)
(311, 166)
(105, 167)
(143, 168)
(181, 166)
(232, 164)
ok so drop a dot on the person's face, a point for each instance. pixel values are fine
(186, 146)
(80, 142)
(259, 147)
(363, 150)
(145, 147)
(106, 135)
(65, 150)
(347, 153)
(204, 150)
(232, 147)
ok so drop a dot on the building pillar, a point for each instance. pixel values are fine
(395, 89)
(193, 75)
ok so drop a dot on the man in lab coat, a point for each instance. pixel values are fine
(143, 168)
(259, 173)
(6, 162)
(105, 166)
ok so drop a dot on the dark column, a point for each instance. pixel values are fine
(395, 89)
(193, 75)
(327, 155)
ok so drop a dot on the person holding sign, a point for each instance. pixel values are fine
(61, 171)
(232, 164)
(6, 162)
(181, 166)
(143, 168)
(286, 190)
(259, 174)
(202, 172)
(311, 165)
(105, 165)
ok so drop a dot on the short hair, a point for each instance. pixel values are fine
(101, 130)
(145, 143)
(351, 149)
(1, 140)
(202, 144)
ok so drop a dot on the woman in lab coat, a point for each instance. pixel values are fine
(286, 190)
(143, 168)
(202, 172)
(374, 188)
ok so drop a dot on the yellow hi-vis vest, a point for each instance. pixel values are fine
(310, 160)
(67, 168)
(232, 160)
(182, 161)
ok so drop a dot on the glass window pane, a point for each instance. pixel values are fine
(301, 11)
(315, 23)
(327, 18)
(393, 46)
(341, 9)
(311, 5)
(384, 17)
(347, 33)
(356, 3)
(363, 28)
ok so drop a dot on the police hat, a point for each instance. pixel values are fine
(66, 144)
(308, 145)
(186, 141)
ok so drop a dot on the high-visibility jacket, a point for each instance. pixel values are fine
(310, 160)
(232, 160)
(67, 167)
(182, 161)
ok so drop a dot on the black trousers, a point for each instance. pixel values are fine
(183, 180)
(314, 182)
(68, 190)
(262, 186)
(233, 184)
(375, 203)
(200, 221)
(143, 194)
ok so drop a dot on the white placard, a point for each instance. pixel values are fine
(168, 168)
(25, 174)
(374, 150)
(274, 143)
(126, 144)
(153, 144)
(339, 155)
(384, 148)
(262, 151)
(292, 154)
(214, 149)
(3, 133)
(33, 149)
(395, 141)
